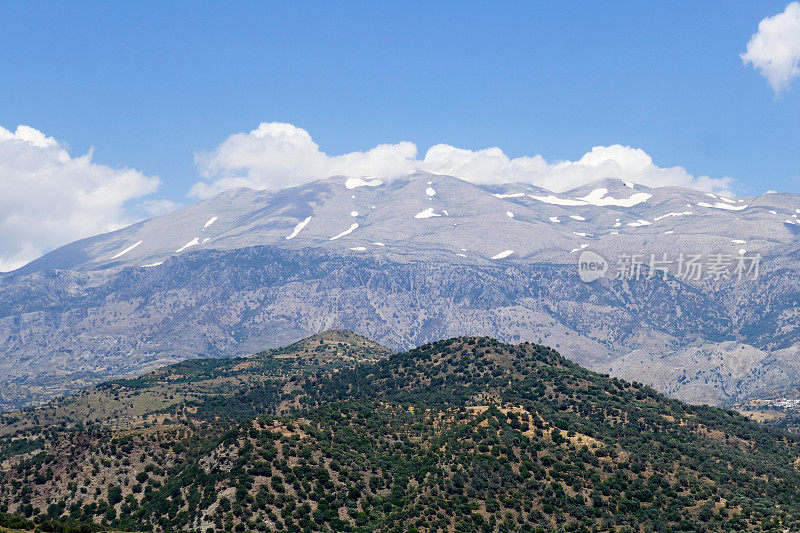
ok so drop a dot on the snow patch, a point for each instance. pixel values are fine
(378, 244)
(509, 214)
(503, 254)
(581, 247)
(598, 197)
(298, 228)
(427, 213)
(126, 250)
(352, 183)
(193, 242)
(358, 248)
(639, 223)
(430, 192)
(577, 217)
(348, 231)
(209, 222)
(554, 219)
(353, 213)
(684, 213)
(512, 195)
(738, 241)
(555, 200)
(722, 205)
(152, 264)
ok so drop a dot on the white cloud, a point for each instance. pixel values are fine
(276, 155)
(48, 198)
(616, 161)
(775, 48)
(153, 207)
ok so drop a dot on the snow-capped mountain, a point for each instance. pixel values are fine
(428, 217)
(420, 258)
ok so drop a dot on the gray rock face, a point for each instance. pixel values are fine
(416, 259)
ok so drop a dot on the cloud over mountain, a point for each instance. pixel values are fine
(774, 50)
(48, 198)
(277, 155)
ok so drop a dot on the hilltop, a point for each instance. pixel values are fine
(133, 402)
(466, 434)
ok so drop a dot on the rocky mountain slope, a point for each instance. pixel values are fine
(337, 434)
(422, 258)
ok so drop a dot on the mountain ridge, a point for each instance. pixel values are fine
(320, 214)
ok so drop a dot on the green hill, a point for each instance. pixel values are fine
(335, 433)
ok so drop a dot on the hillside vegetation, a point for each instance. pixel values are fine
(336, 433)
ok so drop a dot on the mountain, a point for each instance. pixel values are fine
(426, 217)
(421, 258)
(338, 434)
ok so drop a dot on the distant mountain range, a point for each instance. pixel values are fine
(420, 258)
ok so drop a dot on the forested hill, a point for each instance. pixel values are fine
(338, 434)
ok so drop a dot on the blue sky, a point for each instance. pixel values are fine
(147, 85)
